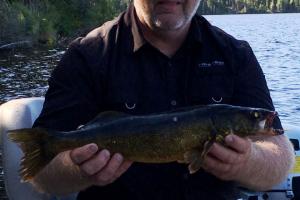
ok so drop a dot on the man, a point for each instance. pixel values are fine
(158, 56)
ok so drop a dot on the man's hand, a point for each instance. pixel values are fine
(228, 162)
(99, 166)
(258, 164)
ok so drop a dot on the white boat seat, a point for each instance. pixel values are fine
(16, 114)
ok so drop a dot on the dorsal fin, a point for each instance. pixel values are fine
(105, 117)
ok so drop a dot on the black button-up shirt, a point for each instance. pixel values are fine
(115, 68)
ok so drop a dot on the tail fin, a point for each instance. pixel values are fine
(33, 143)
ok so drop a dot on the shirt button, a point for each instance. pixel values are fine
(170, 64)
(173, 103)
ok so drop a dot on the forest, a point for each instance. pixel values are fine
(55, 21)
(248, 6)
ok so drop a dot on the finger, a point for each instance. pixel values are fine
(95, 164)
(212, 164)
(108, 172)
(123, 168)
(217, 168)
(224, 154)
(81, 154)
(237, 143)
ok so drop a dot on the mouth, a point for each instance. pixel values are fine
(269, 119)
(266, 125)
(168, 6)
(169, 2)
(262, 124)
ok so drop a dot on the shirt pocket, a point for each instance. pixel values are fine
(211, 85)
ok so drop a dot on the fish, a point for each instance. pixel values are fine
(184, 135)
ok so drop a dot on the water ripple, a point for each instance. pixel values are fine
(276, 43)
(25, 74)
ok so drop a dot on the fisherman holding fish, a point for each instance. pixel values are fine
(157, 57)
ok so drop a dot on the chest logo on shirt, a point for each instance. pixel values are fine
(215, 63)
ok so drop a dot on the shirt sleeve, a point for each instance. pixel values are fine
(250, 87)
(71, 99)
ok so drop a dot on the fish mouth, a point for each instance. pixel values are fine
(262, 124)
(267, 124)
(269, 120)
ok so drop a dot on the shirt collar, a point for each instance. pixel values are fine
(196, 28)
(138, 38)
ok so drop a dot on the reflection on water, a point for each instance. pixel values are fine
(25, 74)
(274, 39)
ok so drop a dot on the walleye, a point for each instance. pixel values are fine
(182, 135)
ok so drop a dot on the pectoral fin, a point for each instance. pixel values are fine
(208, 144)
(196, 156)
(193, 158)
(182, 161)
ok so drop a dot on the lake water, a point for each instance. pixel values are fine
(274, 38)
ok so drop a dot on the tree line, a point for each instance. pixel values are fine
(248, 6)
(48, 21)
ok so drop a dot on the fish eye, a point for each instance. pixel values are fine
(256, 114)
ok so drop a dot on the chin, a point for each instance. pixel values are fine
(169, 25)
